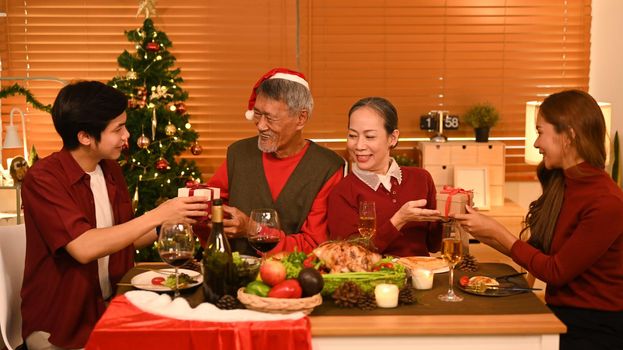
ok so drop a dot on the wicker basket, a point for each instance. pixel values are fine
(279, 305)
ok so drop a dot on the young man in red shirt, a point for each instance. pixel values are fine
(80, 230)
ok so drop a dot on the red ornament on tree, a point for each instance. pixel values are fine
(190, 183)
(196, 149)
(132, 103)
(162, 164)
(152, 46)
(180, 108)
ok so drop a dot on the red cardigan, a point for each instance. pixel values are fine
(584, 268)
(415, 238)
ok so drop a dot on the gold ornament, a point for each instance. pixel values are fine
(135, 199)
(131, 75)
(147, 6)
(170, 129)
(143, 141)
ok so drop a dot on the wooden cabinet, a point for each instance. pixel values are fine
(441, 158)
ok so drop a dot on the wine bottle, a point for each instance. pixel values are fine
(219, 271)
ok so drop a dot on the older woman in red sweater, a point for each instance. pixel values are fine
(575, 226)
(401, 193)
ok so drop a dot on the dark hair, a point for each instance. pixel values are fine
(295, 95)
(566, 110)
(85, 106)
(385, 109)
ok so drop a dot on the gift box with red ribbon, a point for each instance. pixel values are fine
(201, 228)
(452, 200)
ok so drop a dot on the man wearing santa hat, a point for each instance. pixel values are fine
(279, 168)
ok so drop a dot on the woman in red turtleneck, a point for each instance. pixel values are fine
(575, 226)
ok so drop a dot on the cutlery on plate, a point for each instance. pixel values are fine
(510, 275)
(484, 287)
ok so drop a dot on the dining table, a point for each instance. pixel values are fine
(517, 321)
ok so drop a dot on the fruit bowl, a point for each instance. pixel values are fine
(279, 305)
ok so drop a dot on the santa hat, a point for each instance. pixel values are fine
(275, 73)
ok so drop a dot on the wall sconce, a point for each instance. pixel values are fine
(12, 139)
(532, 155)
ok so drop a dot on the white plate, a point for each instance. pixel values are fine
(143, 280)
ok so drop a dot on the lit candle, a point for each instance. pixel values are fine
(422, 278)
(386, 295)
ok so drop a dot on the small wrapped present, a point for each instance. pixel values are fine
(203, 191)
(201, 228)
(453, 200)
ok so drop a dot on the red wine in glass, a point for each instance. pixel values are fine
(263, 230)
(176, 259)
(264, 244)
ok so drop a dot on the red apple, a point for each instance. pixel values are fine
(272, 272)
(288, 289)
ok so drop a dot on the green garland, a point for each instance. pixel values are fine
(16, 89)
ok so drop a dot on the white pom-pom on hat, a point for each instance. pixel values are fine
(275, 73)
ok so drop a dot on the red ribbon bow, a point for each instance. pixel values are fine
(451, 191)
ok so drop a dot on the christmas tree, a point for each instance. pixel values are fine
(157, 122)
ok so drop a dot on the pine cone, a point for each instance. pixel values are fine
(367, 302)
(228, 302)
(469, 263)
(407, 296)
(347, 295)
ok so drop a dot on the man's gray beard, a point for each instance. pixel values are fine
(271, 149)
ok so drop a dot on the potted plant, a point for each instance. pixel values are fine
(481, 117)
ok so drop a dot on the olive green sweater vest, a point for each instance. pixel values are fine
(248, 187)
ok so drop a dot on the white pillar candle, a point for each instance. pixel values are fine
(386, 295)
(422, 278)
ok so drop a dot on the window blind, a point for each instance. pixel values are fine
(422, 55)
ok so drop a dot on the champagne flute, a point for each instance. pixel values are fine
(263, 231)
(176, 245)
(367, 219)
(452, 253)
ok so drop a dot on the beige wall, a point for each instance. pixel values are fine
(606, 74)
(606, 79)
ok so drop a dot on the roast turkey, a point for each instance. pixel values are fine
(343, 256)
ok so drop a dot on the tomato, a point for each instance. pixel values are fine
(157, 281)
(310, 261)
(464, 281)
(383, 266)
(288, 289)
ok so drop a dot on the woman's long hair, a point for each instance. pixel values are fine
(577, 115)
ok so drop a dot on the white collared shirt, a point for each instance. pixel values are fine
(374, 180)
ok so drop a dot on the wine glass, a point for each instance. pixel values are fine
(367, 219)
(263, 231)
(452, 253)
(176, 245)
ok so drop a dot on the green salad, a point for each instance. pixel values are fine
(184, 280)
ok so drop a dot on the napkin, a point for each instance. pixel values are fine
(161, 304)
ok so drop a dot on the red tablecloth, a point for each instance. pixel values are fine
(124, 326)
